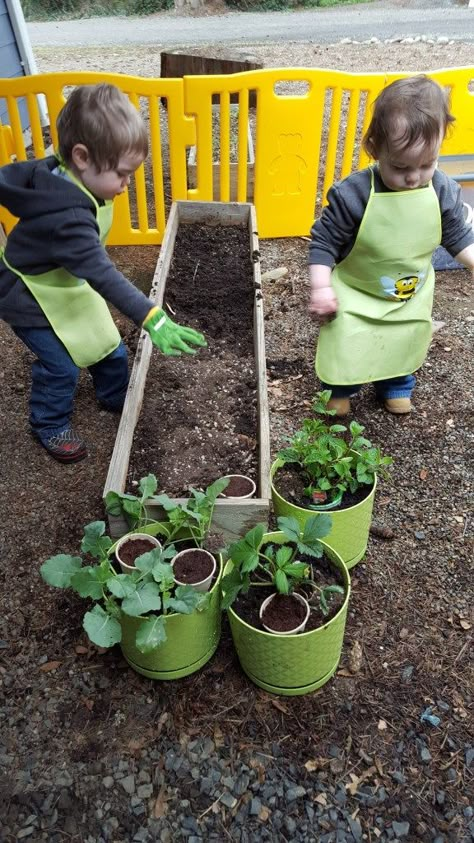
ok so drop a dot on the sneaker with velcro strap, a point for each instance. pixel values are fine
(65, 447)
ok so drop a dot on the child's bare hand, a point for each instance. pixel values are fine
(322, 302)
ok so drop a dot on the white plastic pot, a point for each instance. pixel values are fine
(298, 628)
(130, 537)
(252, 488)
(203, 585)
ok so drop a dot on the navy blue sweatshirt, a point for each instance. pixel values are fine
(57, 227)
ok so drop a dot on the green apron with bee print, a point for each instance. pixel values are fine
(384, 289)
(78, 315)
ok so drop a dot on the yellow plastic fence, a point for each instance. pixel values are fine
(307, 127)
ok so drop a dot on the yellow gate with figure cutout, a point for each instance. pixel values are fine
(306, 127)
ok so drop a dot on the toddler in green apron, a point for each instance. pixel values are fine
(55, 275)
(371, 275)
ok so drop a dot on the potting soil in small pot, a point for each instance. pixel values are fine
(131, 550)
(194, 566)
(283, 613)
(239, 487)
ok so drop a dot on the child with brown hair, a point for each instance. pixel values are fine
(371, 276)
(55, 274)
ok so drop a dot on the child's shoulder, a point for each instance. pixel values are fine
(355, 187)
(446, 188)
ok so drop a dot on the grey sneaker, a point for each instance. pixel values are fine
(65, 447)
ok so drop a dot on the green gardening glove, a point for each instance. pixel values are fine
(169, 337)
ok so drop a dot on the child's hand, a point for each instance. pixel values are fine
(322, 301)
(169, 337)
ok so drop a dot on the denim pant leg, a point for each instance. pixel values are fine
(401, 387)
(54, 377)
(110, 378)
(342, 391)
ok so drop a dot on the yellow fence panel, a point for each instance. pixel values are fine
(139, 216)
(306, 132)
(308, 126)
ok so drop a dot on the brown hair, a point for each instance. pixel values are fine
(103, 119)
(417, 102)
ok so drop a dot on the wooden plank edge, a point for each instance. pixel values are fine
(260, 363)
(118, 467)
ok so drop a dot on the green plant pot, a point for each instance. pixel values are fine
(291, 665)
(350, 527)
(191, 640)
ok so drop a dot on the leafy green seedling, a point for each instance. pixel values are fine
(332, 458)
(149, 592)
(257, 564)
(187, 521)
(133, 506)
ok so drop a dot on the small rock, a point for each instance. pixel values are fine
(275, 274)
(469, 757)
(255, 807)
(401, 829)
(355, 828)
(144, 791)
(128, 784)
(295, 793)
(108, 782)
(63, 779)
(407, 672)
(228, 800)
(425, 755)
(290, 825)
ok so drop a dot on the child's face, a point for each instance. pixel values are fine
(409, 168)
(106, 184)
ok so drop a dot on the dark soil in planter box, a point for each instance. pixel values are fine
(199, 415)
(247, 606)
(290, 484)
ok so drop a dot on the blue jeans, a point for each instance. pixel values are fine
(391, 388)
(54, 377)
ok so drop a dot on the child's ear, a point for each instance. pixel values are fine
(80, 156)
(370, 148)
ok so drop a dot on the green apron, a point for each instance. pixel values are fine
(78, 315)
(385, 289)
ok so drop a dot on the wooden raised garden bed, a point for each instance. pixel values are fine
(191, 419)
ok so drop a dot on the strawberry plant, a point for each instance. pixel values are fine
(278, 565)
(332, 458)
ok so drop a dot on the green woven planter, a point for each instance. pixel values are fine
(291, 664)
(190, 643)
(350, 527)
